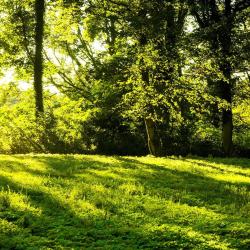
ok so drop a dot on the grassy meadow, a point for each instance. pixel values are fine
(99, 202)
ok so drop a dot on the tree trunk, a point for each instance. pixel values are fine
(227, 84)
(227, 116)
(221, 25)
(38, 62)
(153, 139)
(221, 44)
(152, 133)
(227, 132)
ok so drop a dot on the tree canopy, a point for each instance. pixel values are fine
(125, 77)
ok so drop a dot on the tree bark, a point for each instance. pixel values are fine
(225, 38)
(153, 139)
(227, 132)
(227, 116)
(38, 61)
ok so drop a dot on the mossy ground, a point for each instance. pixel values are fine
(98, 202)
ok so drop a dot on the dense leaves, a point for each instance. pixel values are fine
(170, 76)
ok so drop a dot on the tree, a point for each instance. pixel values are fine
(22, 41)
(79, 70)
(217, 20)
(142, 42)
(156, 28)
(38, 60)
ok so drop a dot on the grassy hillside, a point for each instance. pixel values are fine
(97, 202)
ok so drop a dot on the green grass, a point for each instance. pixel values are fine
(98, 202)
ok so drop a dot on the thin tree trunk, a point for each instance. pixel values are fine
(153, 139)
(38, 62)
(150, 134)
(227, 132)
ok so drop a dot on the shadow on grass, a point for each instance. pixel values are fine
(57, 225)
(15, 166)
(237, 162)
(219, 169)
(121, 224)
(199, 189)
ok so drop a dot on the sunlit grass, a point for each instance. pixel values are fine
(98, 202)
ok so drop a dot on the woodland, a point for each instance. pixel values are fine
(124, 124)
(125, 77)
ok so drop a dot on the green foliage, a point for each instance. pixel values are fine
(57, 131)
(73, 126)
(93, 202)
(242, 126)
(117, 64)
(17, 123)
(16, 36)
(66, 126)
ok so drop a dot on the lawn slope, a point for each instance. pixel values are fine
(97, 202)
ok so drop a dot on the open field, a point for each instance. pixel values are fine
(98, 202)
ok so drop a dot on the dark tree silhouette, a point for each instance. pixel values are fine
(38, 62)
(218, 21)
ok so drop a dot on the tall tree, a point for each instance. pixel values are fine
(217, 20)
(148, 32)
(156, 27)
(38, 60)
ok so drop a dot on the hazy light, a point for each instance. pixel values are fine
(9, 77)
(98, 46)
